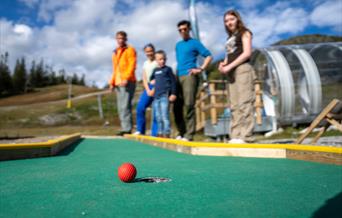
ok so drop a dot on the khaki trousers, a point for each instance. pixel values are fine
(242, 97)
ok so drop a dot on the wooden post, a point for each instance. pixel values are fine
(258, 102)
(213, 111)
(202, 104)
(198, 115)
(99, 101)
(69, 93)
(317, 120)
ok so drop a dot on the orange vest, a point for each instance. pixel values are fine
(124, 64)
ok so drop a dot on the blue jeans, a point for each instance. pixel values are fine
(144, 102)
(161, 108)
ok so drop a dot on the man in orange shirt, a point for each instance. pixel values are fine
(123, 80)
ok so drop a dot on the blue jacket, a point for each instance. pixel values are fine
(165, 81)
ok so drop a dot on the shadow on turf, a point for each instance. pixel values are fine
(331, 208)
(151, 179)
(70, 148)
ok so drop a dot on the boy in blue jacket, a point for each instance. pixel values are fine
(164, 92)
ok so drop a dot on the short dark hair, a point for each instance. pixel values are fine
(149, 45)
(184, 22)
(161, 52)
(121, 33)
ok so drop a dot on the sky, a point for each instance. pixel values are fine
(78, 35)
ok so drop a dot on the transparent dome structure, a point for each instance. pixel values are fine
(299, 80)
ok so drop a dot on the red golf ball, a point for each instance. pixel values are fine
(127, 172)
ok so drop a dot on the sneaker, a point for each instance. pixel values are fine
(185, 139)
(179, 137)
(121, 133)
(137, 133)
(250, 139)
(237, 141)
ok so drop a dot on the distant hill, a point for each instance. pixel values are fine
(303, 39)
(311, 38)
(46, 94)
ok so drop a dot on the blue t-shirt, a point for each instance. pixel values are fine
(165, 81)
(186, 55)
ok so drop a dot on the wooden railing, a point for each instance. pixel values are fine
(213, 98)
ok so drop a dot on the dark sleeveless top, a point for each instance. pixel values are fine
(234, 47)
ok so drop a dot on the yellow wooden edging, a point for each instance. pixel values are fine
(47, 144)
(299, 147)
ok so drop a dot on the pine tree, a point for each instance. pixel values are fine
(6, 85)
(20, 76)
(74, 79)
(47, 71)
(39, 74)
(52, 78)
(32, 76)
(82, 80)
(61, 77)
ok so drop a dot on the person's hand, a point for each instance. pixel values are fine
(150, 92)
(195, 71)
(221, 64)
(123, 83)
(225, 69)
(172, 98)
(153, 82)
(111, 87)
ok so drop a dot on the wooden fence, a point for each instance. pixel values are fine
(214, 98)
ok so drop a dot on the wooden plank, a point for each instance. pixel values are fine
(198, 117)
(202, 112)
(213, 82)
(317, 120)
(240, 152)
(213, 111)
(217, 105)
(217, 93)
(258, 102)
(322, 157)
(335, 123)
(319, 134)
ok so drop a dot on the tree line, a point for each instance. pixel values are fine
(24, 79)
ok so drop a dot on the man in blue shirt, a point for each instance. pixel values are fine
(187, 51)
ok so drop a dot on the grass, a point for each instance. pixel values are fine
(55, 119)
(59, 130)
(40, 95)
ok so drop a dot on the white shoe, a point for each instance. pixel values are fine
(237, 141)
(185, 139)
(137, 133)
(179, 137)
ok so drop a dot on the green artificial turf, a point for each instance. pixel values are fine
(83, 182)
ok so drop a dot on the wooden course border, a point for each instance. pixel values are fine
(316, 153)
(37, 149)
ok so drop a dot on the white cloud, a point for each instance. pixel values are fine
(79, 34)
(23, 30)
(30, 3)
(17, 39)
(47, 8)
(280, 18)
(328, 14)
(291, 20)
(249, 3)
